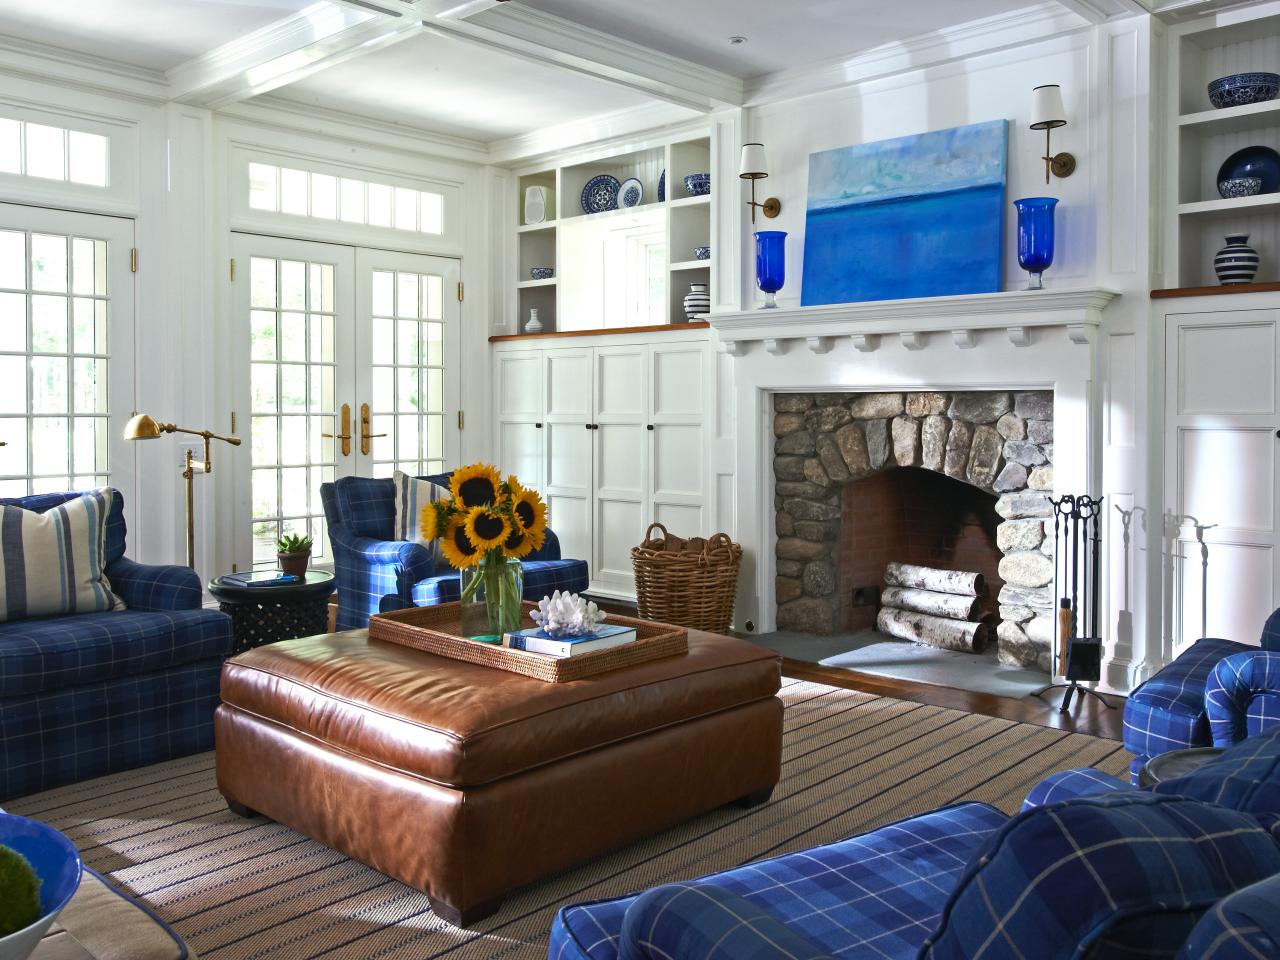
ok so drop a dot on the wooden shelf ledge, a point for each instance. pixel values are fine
(607, 332)
(1215, 291)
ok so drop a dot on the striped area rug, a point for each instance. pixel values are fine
(251, 888)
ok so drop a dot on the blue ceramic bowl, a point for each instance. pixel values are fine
(698, 184)
(1240, 187)
(1241, 88)
(702, 253)
(56, 862)
(1262, 162)
(542, 273)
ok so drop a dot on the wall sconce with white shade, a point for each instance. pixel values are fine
(1048, 112)
(754, 167)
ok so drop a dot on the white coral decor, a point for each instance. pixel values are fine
(567, 615)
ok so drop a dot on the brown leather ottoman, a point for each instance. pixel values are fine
(466, 782)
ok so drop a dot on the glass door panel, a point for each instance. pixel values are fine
(66, 321)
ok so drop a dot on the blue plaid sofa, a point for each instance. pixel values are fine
(1172, 710)
(92, 693)
(377, 574)
(1091, 867)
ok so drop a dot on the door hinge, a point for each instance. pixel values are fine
(233, 270)
(133, 260)
(460, 291)
(461, 419)
(233, 422)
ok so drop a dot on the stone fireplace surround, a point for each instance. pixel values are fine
(1000, 442)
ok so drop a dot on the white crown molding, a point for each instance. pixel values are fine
(602, 132)
(1100, 11)
(1017, 312)
(977, 37)
(543, 38)
(339, 125)
(41, 61)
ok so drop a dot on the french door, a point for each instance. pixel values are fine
(66, 350)
(350, 360)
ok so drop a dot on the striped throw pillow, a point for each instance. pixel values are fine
(51, 562)
(412, 494)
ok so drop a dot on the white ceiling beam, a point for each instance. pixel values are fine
(320, 36)
(542, 38)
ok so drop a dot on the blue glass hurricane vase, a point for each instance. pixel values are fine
(771, 264)
(1035, 237)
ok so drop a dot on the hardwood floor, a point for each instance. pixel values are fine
(1086, 715)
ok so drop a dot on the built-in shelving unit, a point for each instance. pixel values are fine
(1201, 138)
(682, 222)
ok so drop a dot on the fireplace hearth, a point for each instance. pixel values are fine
(956, 480)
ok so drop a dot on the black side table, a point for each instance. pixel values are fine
(266, 614)
(1175, 763)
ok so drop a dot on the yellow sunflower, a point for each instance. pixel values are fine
(478, 485)
(457, 546)
(529, 510)
(429, 526)
(487, 528)
(518, 545)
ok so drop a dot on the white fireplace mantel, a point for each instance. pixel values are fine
(1079, 311)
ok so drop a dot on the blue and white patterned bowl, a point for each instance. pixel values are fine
(698, 184)
(1241, 88)
(542, 273)
(702, 253)
(1239, 187)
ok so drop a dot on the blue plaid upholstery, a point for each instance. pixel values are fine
(1242, 696)
(1119, 875)
(89, 694)
(377, 574)
(1244, 926)
(63, 736)
(1167, 712)
(1270, 639)
(1245, 778)
(708, 922)
(877, 895)
(1068, 784)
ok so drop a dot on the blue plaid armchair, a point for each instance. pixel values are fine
(1091, 867)
(92, 693)
(377, 574)
(1191, 703)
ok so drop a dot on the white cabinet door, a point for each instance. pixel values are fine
(1222, 420)
(521, 427)
(621, 463)
(679, 457)
(568, 460)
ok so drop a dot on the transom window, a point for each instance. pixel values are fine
(53, 362)
(53, 153)
(325, 197)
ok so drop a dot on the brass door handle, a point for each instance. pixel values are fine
(365, 427)
(345, 435)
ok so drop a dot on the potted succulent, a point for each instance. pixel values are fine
(294, 553)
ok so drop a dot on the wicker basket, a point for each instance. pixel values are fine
(691, 587)
(436, 630)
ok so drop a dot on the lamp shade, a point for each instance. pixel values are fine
(754, 166)
(1046, 107)
(141, 427)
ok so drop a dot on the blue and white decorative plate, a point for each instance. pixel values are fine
(662, 187)
(1253, 161)
(600, 194)
(630, 193)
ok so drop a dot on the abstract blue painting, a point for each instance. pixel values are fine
(919, 216)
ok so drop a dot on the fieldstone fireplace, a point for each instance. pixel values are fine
(962, 480)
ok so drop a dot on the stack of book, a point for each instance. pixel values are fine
(534, 640)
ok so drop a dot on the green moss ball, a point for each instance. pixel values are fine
(19, 892)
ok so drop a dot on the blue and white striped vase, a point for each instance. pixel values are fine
(1237, 262)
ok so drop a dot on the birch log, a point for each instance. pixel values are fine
(950, 605)
(932, 631)
(939, 581)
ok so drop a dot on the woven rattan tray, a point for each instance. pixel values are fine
(437, 630)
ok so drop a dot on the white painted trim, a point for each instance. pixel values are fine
(1100, 11)
(543, 147)
(1028, 25)
(28, 58)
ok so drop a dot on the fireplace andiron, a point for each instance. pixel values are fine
(1077, 578)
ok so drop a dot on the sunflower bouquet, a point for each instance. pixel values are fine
(484, 529)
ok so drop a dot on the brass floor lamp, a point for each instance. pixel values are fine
(143, 427)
